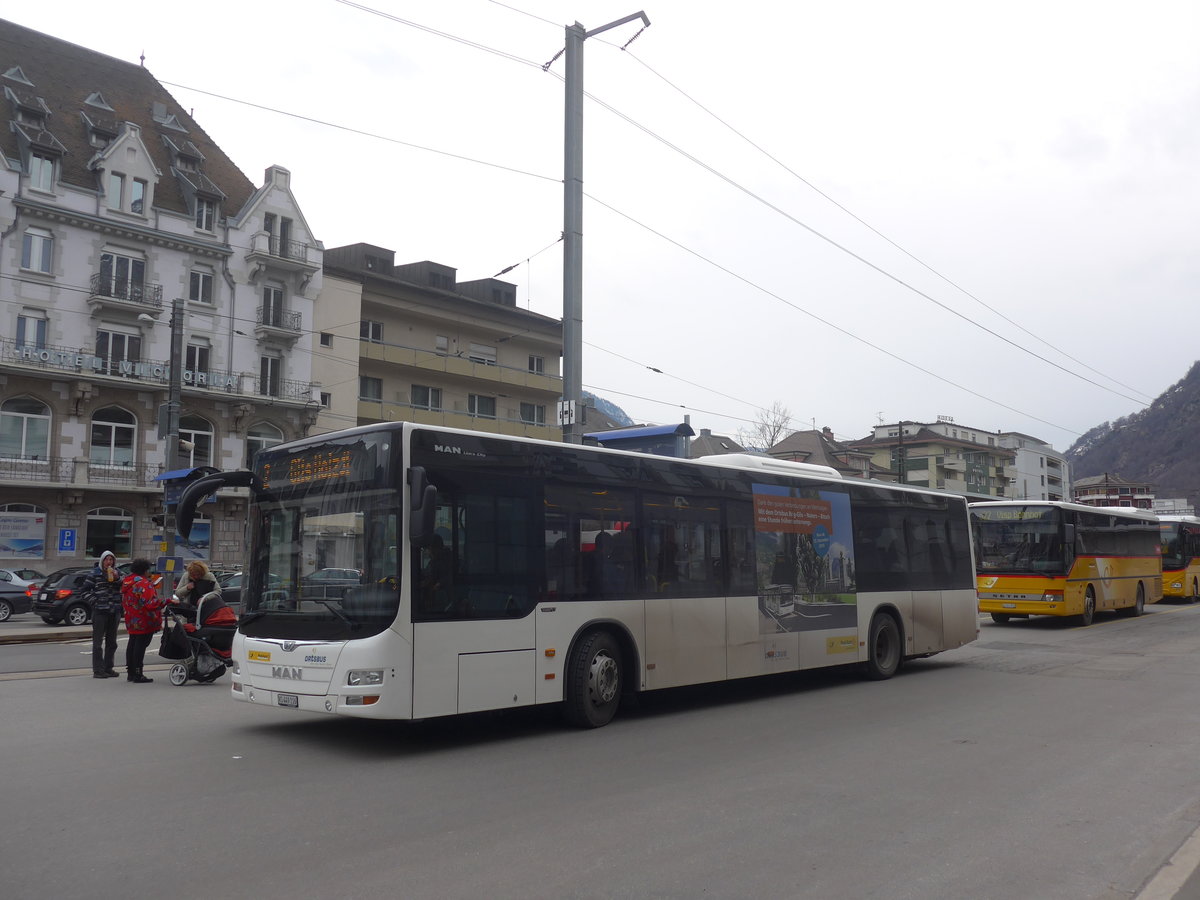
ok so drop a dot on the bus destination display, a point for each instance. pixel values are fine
(321, 465)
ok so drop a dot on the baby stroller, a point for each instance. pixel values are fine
(202, 653)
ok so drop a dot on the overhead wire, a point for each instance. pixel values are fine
(466, 158)
(1053, 346)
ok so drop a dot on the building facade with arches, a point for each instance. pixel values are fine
(113, 204)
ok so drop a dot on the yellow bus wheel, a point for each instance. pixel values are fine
(1089, 607)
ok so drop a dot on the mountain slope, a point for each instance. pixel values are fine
(1160, 444)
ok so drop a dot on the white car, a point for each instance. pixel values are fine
(21, 578)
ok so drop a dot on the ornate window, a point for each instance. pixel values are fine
(260, 437)
(24, 428)
(113, 434)
(200, 432)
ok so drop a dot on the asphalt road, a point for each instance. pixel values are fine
(1045, 761)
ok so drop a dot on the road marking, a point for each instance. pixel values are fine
(1179, 868)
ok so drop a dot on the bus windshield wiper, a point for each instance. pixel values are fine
(328, 604)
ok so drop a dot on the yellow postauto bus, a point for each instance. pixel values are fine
(1048, 558)
(1180, 537)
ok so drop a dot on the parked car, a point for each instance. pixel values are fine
(58, 599)
(13, 601)
(329, 584)
(21, 578)
(231, 589)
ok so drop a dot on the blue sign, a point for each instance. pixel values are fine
(820, 539)
(66, 540)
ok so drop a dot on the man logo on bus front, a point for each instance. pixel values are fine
(289, 646)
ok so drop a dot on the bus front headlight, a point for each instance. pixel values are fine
(361, 677)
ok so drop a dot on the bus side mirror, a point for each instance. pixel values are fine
(1069, 535)
(422, 507)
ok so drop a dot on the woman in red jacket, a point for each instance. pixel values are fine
(143, 617)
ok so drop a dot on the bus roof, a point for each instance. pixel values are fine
(1132, 512)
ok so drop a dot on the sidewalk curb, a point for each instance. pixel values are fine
(51, 635)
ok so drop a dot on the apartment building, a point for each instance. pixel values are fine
(436, 350)
(1042, 473)
(117, 209)
(942, 455)
(1111, 489)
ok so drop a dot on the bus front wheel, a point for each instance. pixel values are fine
(883, 647)
(593, 681)
(1089, 607)
(1001, 618)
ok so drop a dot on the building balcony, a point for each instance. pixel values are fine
(66, 472)
(97, 373)
(110, 293)
(428, 365)
(376, 411)
(282, 389)
(277, 323)
(269, 253)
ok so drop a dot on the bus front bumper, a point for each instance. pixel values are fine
(1044, 604)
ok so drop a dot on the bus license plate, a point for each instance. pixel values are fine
(1006, 606)
(287, 700)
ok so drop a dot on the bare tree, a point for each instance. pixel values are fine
(769, 428)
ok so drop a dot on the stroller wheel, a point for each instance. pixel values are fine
(178, 674)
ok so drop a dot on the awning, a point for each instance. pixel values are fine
(181, 474)
(644, 431)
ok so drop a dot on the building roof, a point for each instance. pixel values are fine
(83, 92)
(928, 436)
(818, 448)
(1108, 479)
(709, 444)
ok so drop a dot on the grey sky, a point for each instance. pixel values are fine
(1040, 156)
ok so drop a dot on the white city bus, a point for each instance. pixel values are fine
(491, 572)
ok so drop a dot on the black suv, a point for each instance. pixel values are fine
(58, 599)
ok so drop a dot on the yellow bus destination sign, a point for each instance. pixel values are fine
(320, 465)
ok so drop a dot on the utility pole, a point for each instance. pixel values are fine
(570, 410)
(174, 402)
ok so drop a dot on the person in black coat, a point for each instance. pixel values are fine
(102, 588)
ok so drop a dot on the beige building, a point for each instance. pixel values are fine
(942, 455)
(439, 351)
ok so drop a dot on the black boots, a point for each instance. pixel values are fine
(136, 676)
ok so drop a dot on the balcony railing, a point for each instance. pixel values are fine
(132, 475)
(136, 292)
(288, 249)
(282, 389)
(286, 320)
(49, 469)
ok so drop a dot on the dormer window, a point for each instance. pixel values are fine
(131, 198)
(41, 171)
(206, 214)
(31, 117)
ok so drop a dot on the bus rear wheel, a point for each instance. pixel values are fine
(1089, 607)
(1139, 605)
(883, 647)
(593, 681)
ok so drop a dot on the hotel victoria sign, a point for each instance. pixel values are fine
(74, 361)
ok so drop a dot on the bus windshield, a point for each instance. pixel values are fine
(1019, 539)
(326, 563)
